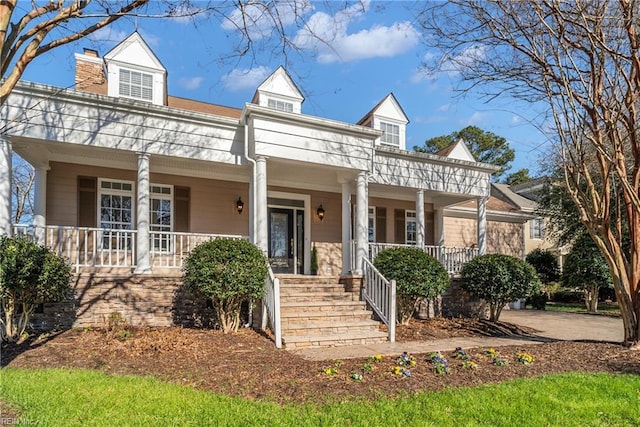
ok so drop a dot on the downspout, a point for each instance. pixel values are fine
(252, 203)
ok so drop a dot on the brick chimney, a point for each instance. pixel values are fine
(90, 75)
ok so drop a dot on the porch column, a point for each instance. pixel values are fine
(438, 215)
(262, 231)
(362, 219)
(346, 227)
(482, 225)
(5, 185)
(142, 216)
(40, 202)
(420, 218)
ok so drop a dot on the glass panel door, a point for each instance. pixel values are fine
(281, 240)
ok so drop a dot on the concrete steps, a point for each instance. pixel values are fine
(316, 311)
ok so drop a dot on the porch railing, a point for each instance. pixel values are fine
(380, 294)
(97, 247)
(271, 307)
(452, 258)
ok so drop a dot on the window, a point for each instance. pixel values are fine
(281, 105)
(372, 224)
(536, 227)
(134, 84)
(391, 134)
(160, 217)
(115, 213)
(410, 227)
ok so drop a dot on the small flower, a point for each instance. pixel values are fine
(367, 367)
(492, 353)
(375, 359)
(468, 364)
(524, 358)
(499, 362)
(459, 353)
(406, 359)
(330, 371)
(401, 371)
(355, 376)
(440, 364)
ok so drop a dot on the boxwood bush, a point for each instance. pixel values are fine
(546, 265)
(30, 274)
(417, 275)
(499, 279)
(227, 272)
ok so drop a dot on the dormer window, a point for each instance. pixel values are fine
(280, 105)
(137, 85)
(391, 135)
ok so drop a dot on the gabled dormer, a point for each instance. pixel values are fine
(135, 72)
(389, 117)
(279, 91)
(458, 150)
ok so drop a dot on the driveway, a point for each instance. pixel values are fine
(568, 326)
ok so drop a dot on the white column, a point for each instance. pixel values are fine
(262, 231)
(362, 219)
(5, 185)
(438, 215)
(142, 216)
(346, 227)
(420, 232)
(40, 202)
(482, 225)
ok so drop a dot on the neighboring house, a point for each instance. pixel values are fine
(525, 197)
(129, 179)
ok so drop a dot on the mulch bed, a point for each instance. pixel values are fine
(248, 365)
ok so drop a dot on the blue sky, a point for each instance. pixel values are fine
(372, 52)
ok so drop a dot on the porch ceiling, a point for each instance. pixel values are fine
(438, 199)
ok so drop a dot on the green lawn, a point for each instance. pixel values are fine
(76, 397)
(580, 308)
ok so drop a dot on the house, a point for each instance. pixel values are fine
(130, 178)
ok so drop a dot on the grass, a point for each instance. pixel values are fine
(81, 397)
(580, 308)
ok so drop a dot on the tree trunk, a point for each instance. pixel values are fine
(591, 298)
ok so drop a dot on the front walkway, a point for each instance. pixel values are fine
(552, 326)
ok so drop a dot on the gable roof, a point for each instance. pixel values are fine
(280, 72)
(504, 192)
(457, 150)
(132, 40)
(371, 112)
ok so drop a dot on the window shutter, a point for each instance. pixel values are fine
(181, 209)
(381, 225)
(400, 226)
(87, 202)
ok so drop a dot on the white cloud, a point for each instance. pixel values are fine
(185, 14)
(476, 118)
(516, 120)
(246, 78)
(190, 83)
(328, 36)
(108, 34)
(451, 66)
(261, 18)
(429, 119)
(444, 108)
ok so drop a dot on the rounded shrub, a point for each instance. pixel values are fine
(499, 279)
(227, 272)
(417, 275)
(30, 274)
(546, 265)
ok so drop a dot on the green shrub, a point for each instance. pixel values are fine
(29, 275)
(546, 265)
(227, 272)
(539, 301)
(499, 279)
(566, 295)
(417, 275)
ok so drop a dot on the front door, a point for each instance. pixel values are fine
(286, 240)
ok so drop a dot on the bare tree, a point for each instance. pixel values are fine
(22, 175)
(580, 60)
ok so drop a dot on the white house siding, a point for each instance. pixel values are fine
(502, 237)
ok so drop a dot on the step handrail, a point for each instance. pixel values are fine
(380, 294)
(271, 306)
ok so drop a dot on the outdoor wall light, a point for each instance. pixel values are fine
(239, 205)
(320, 212)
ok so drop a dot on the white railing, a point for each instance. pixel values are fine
(85, 246)
(380, 294)
(452, 258)
(271, 307)
(97, 247)
(168, 249)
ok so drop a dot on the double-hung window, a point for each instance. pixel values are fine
(137, 85)
(536, 226)
(116, 213)
(410, 227)
(161, 217)
(391, 135)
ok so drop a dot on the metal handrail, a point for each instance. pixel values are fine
(380, 294)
